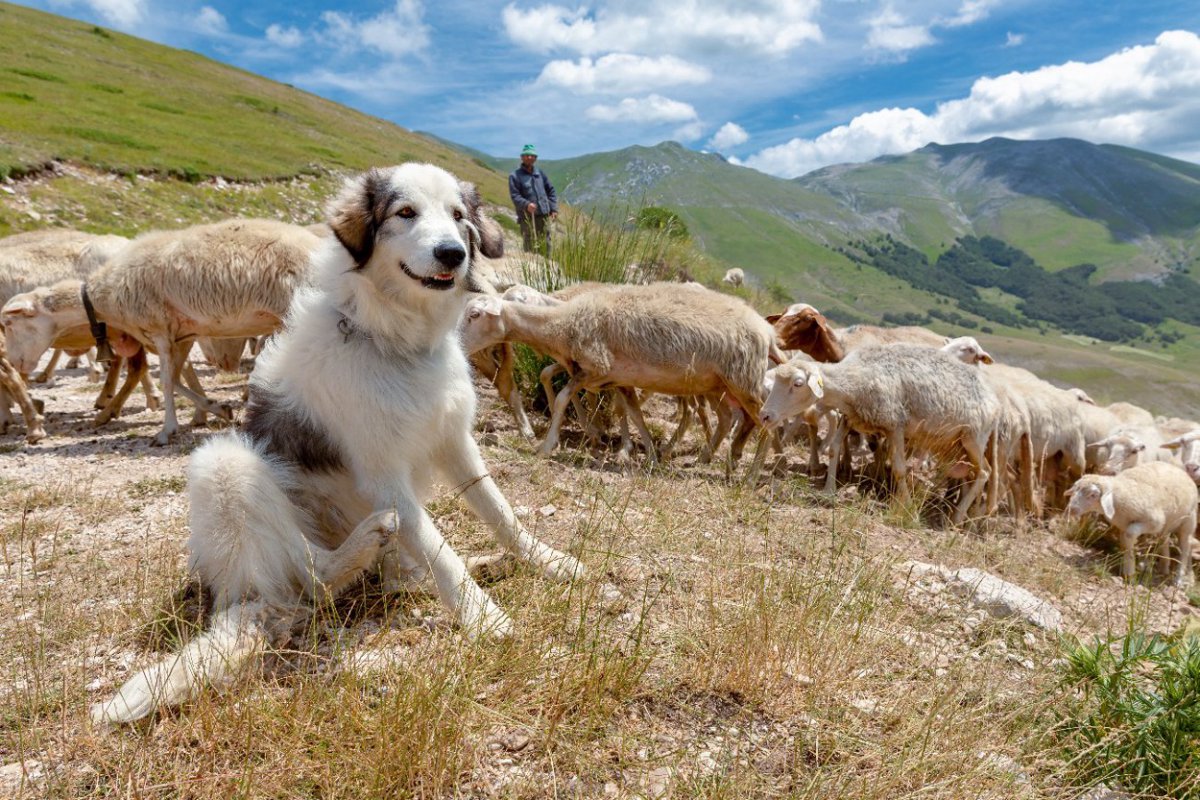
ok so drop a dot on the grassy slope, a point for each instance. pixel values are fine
(73, 91)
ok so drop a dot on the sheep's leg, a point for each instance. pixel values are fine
(1026, 478)
(109, 389)
(10, 382)
(546, 378)
(626, 452)
(899, 460)
(167, 372)
(998, 477)
(465, 468)
(685, 419)
(634, 410)
(1129, 538)
(46, 374)
(837, 440)
(506, 384)
(6, 417)
(93, 365)
(1183, 536)
(135, 371)
(724, 423)
(194, 391)
(153, 397)
(702, 414)
(559, 411)
(975, 452)
(814, 445)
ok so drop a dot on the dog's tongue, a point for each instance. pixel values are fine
(444, 276)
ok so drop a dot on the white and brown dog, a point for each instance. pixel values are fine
(354, 409)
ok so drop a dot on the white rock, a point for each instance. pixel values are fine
(995, 596)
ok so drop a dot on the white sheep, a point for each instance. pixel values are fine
(856, 336)
(734, 277)
(228, 279)
(910, 395)
(1129, 446)
(654, 337)
(1154, 500)
(28, 260)
(1188, 447)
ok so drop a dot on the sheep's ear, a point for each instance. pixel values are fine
(1071, 492)
(1174, 444)
(985, 357)
(20, 307)
(1102, 443)
(358, 211)
(773, 318)
(816, 384)
(1107, 505)
(489, 305)
(485, 233)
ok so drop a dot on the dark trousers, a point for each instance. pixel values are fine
(535, 233)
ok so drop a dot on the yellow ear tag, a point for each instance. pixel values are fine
(820, 382)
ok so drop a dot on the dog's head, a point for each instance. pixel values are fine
(415, 223)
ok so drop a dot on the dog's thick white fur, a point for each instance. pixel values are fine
(354, 408)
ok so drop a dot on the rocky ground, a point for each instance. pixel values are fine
(770, 641)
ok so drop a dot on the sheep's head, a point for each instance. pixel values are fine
(28, 329)
(1091, 494)
(802, 327)
(793, 389)
(1188, 447)
(482, 323)
(1081, 396)
(967, 349)
(1124, 451)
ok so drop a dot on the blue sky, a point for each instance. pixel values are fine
(785, 86)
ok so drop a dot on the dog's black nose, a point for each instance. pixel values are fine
(450, 254)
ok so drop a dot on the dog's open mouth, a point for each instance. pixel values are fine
(439, 280)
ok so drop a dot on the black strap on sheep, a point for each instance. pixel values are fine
(104, 352)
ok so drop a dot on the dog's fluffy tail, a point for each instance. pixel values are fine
(236, 636)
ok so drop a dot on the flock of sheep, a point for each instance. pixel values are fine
(888, 404)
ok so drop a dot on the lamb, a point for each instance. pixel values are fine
(967, 349)
(654, 337)
(1129, 445)
(228, 279)
(734, 277)
(909, 394)
(1153, 500)
(1188, 445)
(29, 259)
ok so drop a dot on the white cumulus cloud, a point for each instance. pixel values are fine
(622, 73)
(211, 21)
(892, 33)
(650, 109)
(728, 135)
(397, 32)
(284, 36)
(1145, 96)
(118, 13)
(775, 27)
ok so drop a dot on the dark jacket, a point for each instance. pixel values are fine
(531, 187)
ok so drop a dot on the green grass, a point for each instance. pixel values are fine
(76, 92)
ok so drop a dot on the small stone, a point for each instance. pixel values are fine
(548, 510)
(19, 776)
(657, 782)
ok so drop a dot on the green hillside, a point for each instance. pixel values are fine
(77, 92)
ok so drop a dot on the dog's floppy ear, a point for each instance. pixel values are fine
(485, 233)
(357, 212)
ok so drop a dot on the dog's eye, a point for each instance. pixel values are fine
(408, 212)
(458, 215)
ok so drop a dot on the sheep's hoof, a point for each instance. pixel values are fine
(225, 412)
(162, 440)
(41, 377)
(103, 418)
(35, 435)
(154, 402)
(490, 568)
(39, 406)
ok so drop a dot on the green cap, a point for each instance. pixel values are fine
(528, 150)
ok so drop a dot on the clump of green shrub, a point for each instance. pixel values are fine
(1129, 715)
